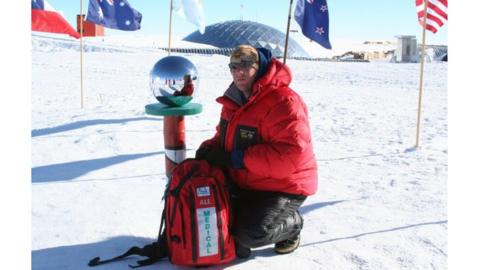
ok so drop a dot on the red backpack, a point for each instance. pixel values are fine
(197, 218)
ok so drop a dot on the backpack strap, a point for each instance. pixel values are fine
(154, 251)
(132, 251)
(145, 262)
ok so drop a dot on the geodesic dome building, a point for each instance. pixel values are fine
(230, 34)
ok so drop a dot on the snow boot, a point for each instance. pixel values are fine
(287, 246)
(242, 252)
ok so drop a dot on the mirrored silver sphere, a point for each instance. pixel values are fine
(174, 80)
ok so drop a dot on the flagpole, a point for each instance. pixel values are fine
(288, 32)
(81, 54)
(417, 144)
(170, 27)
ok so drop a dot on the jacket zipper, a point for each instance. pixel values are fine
(229, 140)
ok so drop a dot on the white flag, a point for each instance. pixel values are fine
(192, 10)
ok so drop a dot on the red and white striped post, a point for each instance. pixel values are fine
(173, 130)
(174, 141)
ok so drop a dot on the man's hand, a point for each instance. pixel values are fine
(202, 153)
(219, 158)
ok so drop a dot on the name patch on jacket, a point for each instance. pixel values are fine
(245, 136)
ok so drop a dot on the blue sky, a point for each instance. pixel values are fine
(349, 19)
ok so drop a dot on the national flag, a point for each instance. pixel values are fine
(312, 16)
(437, 14)
(115, 14)
(46, 19)
(192, 10)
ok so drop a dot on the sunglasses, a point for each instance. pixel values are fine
(244, 65)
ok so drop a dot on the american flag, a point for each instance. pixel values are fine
(436, 13)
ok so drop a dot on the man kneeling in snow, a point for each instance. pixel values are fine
(263, 141)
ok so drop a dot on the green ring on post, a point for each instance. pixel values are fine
(165, 110)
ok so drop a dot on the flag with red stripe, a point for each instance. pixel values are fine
(437, 14)
(47, 19)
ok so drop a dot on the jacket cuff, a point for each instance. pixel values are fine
(237, 159)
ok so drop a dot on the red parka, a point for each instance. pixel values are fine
(273, 130)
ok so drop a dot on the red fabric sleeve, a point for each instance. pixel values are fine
(287, 135)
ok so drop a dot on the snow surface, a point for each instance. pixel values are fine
(98, 173)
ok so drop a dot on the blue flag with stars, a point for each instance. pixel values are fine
(115, 14)
(312, 16)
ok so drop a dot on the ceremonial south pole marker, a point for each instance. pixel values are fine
(173, 130)
(174, 82)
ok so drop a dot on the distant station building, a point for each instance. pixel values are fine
(436, 53)
(229, 34)
(368, 51)
(406, 51)
(90, 29)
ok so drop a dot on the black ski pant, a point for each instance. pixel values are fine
(262, 218)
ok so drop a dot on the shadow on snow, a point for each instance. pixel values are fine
(85, 123)
(376, 232)
(78, 256)
(311, 207)
(72, 170)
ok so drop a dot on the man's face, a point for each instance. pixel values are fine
(243, 74)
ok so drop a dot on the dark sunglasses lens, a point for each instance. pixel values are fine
(242, 65)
